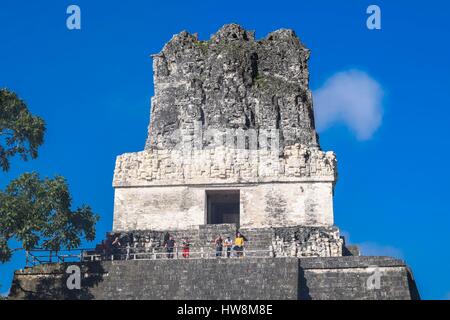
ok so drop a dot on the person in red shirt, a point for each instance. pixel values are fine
(185, 247)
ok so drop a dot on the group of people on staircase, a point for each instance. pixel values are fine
(114, 245)
(219, 242)
(228, 244)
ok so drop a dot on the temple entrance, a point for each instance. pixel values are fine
(222, 206)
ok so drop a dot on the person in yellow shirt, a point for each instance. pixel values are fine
(239, 244)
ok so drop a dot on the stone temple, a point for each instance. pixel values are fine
(232, 146)
(231, 139)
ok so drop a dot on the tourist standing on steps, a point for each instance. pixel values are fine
(228, 243)
(166, 238)
(185, 247)
(239, 244)
(107, 247)
(116, 247)
(170, 244)
(219, 245)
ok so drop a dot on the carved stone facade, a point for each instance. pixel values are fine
(307, 242)
(224, 165)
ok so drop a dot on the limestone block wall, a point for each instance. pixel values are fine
(158, 208)
(250, 278)
(345, 278)
(261, 205)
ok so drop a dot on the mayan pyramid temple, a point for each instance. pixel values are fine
(231, 147)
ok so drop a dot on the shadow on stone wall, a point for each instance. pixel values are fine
(52, 285)
(303, 289)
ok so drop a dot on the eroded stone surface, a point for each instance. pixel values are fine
(232, 81)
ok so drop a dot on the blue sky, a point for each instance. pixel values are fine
(93, 88)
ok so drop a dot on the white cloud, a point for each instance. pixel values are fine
(346, 235)
(352, 98)
(375, 249)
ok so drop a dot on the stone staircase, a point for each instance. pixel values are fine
(299, 241)
(259, 241)
(204, 236)
(201, 239)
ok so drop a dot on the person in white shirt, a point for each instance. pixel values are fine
(228, 243)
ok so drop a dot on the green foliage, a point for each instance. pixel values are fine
(38, 213)
(203, 45)
(21, 133)
(260, 80)
(35, 212)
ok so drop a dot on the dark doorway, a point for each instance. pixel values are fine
(222, 206)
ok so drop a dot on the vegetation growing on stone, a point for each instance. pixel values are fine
(230, 78)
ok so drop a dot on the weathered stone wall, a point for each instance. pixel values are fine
(261, 205)
(251, 278)
(232, 81)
